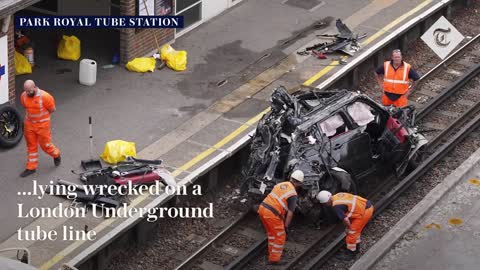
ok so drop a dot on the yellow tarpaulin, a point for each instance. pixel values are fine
(22, 66)
(117, 150)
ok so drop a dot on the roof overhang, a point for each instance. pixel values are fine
(9, 7)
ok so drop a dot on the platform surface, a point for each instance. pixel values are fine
(447, 237)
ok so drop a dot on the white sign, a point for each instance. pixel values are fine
(442, 37)
(150, 6)
(3, 69)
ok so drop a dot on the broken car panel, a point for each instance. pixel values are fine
(337, 138)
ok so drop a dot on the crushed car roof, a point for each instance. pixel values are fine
(332, 104)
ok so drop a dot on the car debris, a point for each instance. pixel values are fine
(337, 138)
(345, 41)
(132, 171)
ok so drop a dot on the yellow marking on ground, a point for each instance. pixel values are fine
(395, 22)
(373, 37)
(474, 181)
(62, 254)
(219, 144)
(455, 221)
(433, 225)
(100, 227)
(324, 71)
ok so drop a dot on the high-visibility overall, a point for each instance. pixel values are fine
(357, 215)
(396, 82)
(272, 213)
(37, 126)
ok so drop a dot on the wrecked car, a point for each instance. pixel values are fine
(337, 138)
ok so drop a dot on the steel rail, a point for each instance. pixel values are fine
(241, 261)
(253, 251)
(187, 264)
(453, 88)
(387, 184)
(449, 58)
(385, 201)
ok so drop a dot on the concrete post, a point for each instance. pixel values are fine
(403, 43)
(447, 12)
(379, 58)
(212, 179)
(423, 27)
(102, 260)
(355, 78)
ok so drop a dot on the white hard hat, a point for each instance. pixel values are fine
(323, 196)
(297, 175)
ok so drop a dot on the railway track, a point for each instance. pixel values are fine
(242, 244)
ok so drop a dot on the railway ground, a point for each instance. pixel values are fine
(440, 232)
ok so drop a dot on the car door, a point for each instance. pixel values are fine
(349, 148)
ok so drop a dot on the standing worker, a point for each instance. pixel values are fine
(354, 211)
(398, 79)
(38, 105)
(276, 213)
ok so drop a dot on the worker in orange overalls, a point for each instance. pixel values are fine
(354, 211)
(398, 79)
(276, 213)
(38, 105)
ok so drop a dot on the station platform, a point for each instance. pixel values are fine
(440, 232)
(189, 119)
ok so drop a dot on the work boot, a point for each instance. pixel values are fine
(27, 172)
(57, 161)
(281, 262)
(346, 255)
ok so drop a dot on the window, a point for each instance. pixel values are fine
(184, 4)
(191, 10)
(154, 7)
(361, 113)
(333, 126)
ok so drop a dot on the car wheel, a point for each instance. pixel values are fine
(415, 161)
(344, 182)
(11, 126)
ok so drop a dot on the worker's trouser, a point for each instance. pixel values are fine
(36, 134)
(275, 233)
(401, 102)
(356, 228)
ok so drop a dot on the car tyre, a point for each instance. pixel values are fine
(11, 126)
(415, 161)
(344, 182)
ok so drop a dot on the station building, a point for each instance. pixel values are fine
(101, 44)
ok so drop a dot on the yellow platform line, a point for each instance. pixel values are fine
(62, 254)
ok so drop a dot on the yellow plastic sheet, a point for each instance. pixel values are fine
(142, 64)
(176, 60)
(117, 150)
(22, 66)
(69, 48)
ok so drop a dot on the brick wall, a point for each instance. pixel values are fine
(11, 64)
(11, 67)
(136, 43)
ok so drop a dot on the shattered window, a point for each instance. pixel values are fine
(333, 126)
(361, 113)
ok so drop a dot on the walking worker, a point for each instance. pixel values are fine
(276, 213)
(354, 211)
(398, 79)
(38, 105)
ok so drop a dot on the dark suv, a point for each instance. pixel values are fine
(337, 138)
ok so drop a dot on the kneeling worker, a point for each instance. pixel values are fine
(354, 211)
(278, 206)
